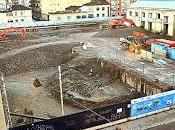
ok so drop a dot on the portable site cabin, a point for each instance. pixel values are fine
(164, 48)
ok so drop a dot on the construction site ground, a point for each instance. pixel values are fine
(19, 63)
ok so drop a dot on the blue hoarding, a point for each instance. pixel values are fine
(152, 103)
(82, 120)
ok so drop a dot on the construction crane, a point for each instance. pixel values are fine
(5, 32)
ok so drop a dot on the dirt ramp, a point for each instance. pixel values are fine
(44, 57)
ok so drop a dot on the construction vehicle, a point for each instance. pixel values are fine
(5, 32)
(120, 23)
(136, 42)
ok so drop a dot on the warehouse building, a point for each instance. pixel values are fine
(154, 15)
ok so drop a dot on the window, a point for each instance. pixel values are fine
(16, 20)
(150, 15)
(16, 13)
(103, 15)
(84, 16)
(22, 13)
(10, 21)
(130, 13)
(78, 17)
(136, 14)
(143, 14)
(165, 19)
(68, 17)
(103, 8)
(98, 8)
(90, 15)
(97, 15)
(58, 18)
(22, 20)
(158, 16)
(9, 14)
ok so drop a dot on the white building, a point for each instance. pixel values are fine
(94, 9)
(154, 15)
(18, 13)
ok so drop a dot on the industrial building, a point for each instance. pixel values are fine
(157, 16)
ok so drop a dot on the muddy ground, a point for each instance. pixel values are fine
(84, 77)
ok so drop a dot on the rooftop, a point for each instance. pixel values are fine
(73, 8)
(19, 7)
(159, 4)
(96, 2)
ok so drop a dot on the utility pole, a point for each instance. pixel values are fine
(143, 68)
(61, 93)
(173, 79)
(7, 109)
(110, 10)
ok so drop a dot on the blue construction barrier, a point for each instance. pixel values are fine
(151, 104)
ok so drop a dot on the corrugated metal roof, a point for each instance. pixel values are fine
(164, 4)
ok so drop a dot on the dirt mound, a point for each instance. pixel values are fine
(124, 32)
(89, 80)
(44, 57)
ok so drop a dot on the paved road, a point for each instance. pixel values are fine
(170, 126)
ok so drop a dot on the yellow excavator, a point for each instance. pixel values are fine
(135, 42)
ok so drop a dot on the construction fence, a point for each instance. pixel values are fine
(54, 23)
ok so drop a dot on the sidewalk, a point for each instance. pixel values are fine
(147, 122)
(2, 117)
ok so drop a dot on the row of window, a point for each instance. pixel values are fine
(90, 16)
(150, 15)
(15, 13)
(98, 8)
(11, 21)
(83, 16)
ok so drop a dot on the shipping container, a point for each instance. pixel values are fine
(160, 49)
(171, 53)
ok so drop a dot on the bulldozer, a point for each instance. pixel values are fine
(136, 42)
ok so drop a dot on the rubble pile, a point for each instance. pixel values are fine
(89, 80)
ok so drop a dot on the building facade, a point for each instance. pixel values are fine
(44, 7)
(93, 9)
(18, 13)
(157, 16)
(118, 7)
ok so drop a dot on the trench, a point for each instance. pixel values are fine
(90, 81)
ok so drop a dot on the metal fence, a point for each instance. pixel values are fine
(54, 23)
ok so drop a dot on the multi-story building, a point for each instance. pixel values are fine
(118, 7)
(52, 6)
(18, 13)
(20, 2)
(157, 16)
(94, 9)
